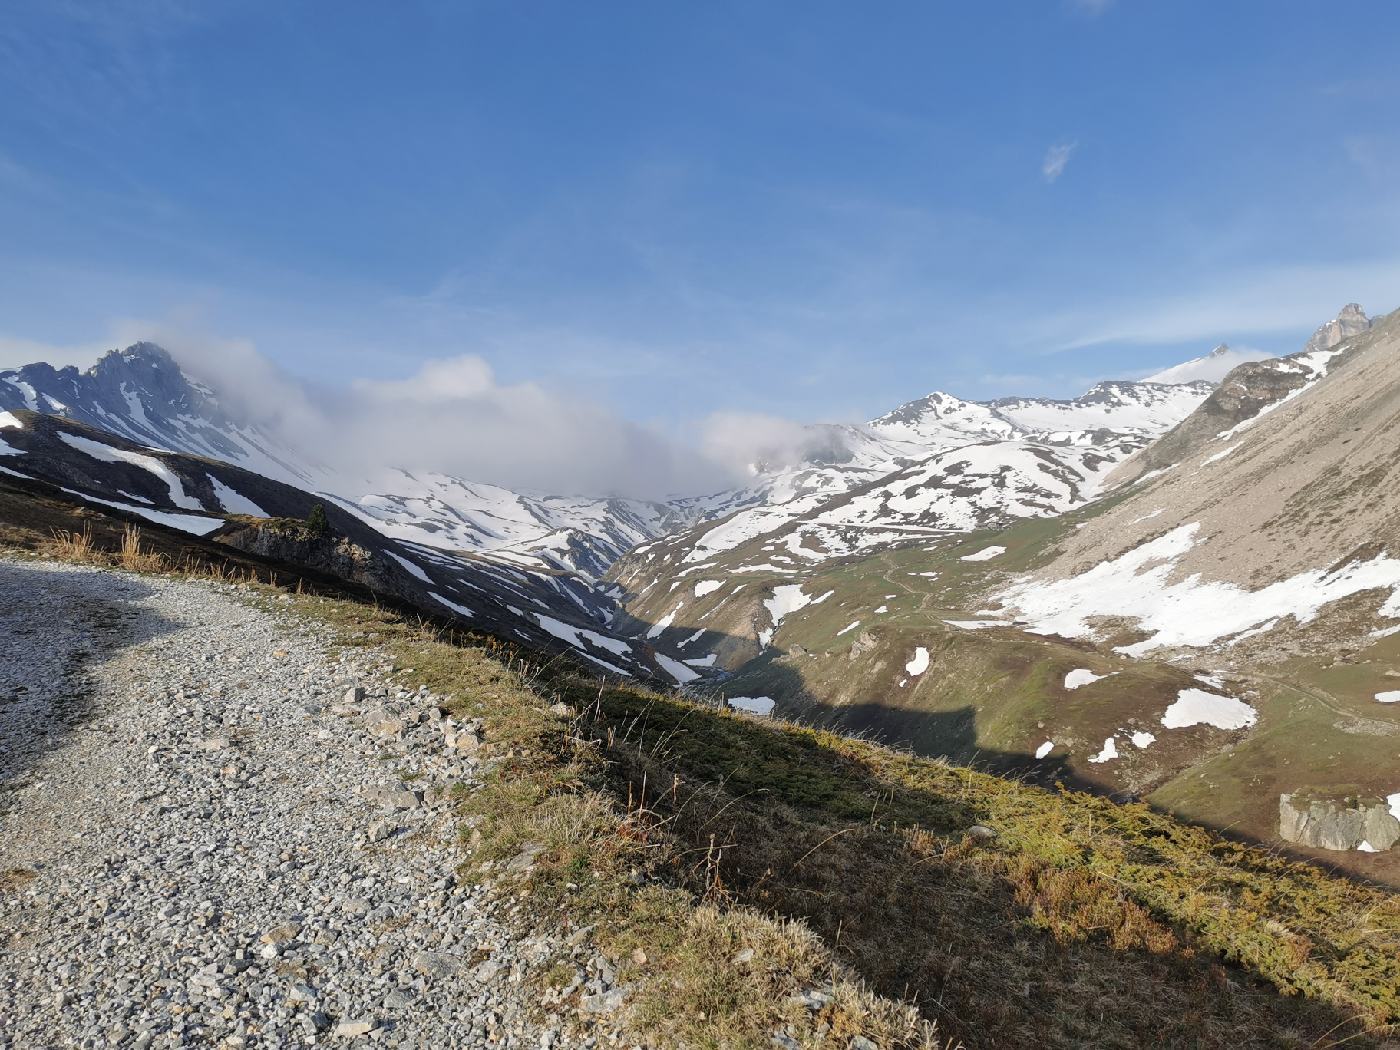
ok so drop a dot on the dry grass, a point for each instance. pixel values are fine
(75, 545)
(688, 838)
(132, 556)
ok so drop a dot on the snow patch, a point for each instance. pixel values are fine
(705, 587)
(754, 705)
(1044, 749)
(919, 664)
(1391, 696)
(677, 670)
(1082, 676)
(108, 454)
(1142, 739)
(985, 554)
(1194, 707)
(413, 569)
(1109, 752)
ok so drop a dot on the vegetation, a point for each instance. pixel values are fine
(731, 867)
(317, 525)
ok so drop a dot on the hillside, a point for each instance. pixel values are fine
(578, 875)
(1210, 637)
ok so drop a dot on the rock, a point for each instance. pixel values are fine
(354, 1029)
(1337, 824)
(388, 728)
(354, 695)
(212, 743)
(1350, 321)
(742, 957)
(981, 833)
(437, 964)
(561, 709)
(608, 1002)
(395, 797)
(381, 830)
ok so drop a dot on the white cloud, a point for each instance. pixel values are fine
(1056, 158)
(452, 415)
(740, 440)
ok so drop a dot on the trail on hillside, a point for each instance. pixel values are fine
(218, 832)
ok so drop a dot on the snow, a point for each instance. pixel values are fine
(882, 609)
(9, 450)
(1142, 739)
(1389, 697)
(235, 502)
(849, 627)
(919, 664)
(1191, 612)
(702, 661)
(1044, 749)
(985, 554)
(192, 523)
(1219, 455)
(677, 670)
(787, 598)
(1194, 707)
(576, 636)
(1082, 676)
(413, 568)
(754, 705)
(9, 419)
(460, 610)
(705, 587)
(108, 454)
(1393, 801)
(692, 638)
(1109, 752)
(661, 624)
(975, 625)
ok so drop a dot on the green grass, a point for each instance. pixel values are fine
(688, 837)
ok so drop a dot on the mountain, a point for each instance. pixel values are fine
(933, 466)
(141, 394)
(1211, 368)
(236, 507)
(1219, 635)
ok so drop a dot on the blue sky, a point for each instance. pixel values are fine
(815, 210)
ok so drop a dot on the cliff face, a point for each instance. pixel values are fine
(1337, 824)
(337, 555)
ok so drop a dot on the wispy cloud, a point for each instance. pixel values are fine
(1056, 158)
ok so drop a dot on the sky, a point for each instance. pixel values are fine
(673, 213)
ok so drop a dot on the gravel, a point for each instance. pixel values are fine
(220, 831)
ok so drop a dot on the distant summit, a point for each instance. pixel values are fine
(1211, 368)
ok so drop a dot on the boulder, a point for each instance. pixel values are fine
(1337, 824)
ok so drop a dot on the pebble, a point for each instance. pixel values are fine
(186, 778)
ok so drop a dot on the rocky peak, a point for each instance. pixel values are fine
(1219, 351)
(1350, 320)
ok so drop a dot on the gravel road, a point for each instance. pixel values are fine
(216, 831)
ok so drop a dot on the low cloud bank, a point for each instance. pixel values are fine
(454, 416)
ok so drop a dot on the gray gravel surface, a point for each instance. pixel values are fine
(217, 830)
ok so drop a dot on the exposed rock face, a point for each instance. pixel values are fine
(339, 556)
(1243, 394)
(1338, 824)
(1352, 320)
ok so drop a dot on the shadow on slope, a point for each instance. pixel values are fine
(1079, 923)
(53, 629)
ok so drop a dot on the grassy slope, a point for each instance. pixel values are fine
(689, 836)
(994, 696)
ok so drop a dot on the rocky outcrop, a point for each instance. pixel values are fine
(338, 555)
(1337, 824)
(1352, 320)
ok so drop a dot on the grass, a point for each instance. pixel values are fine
(729, 866)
